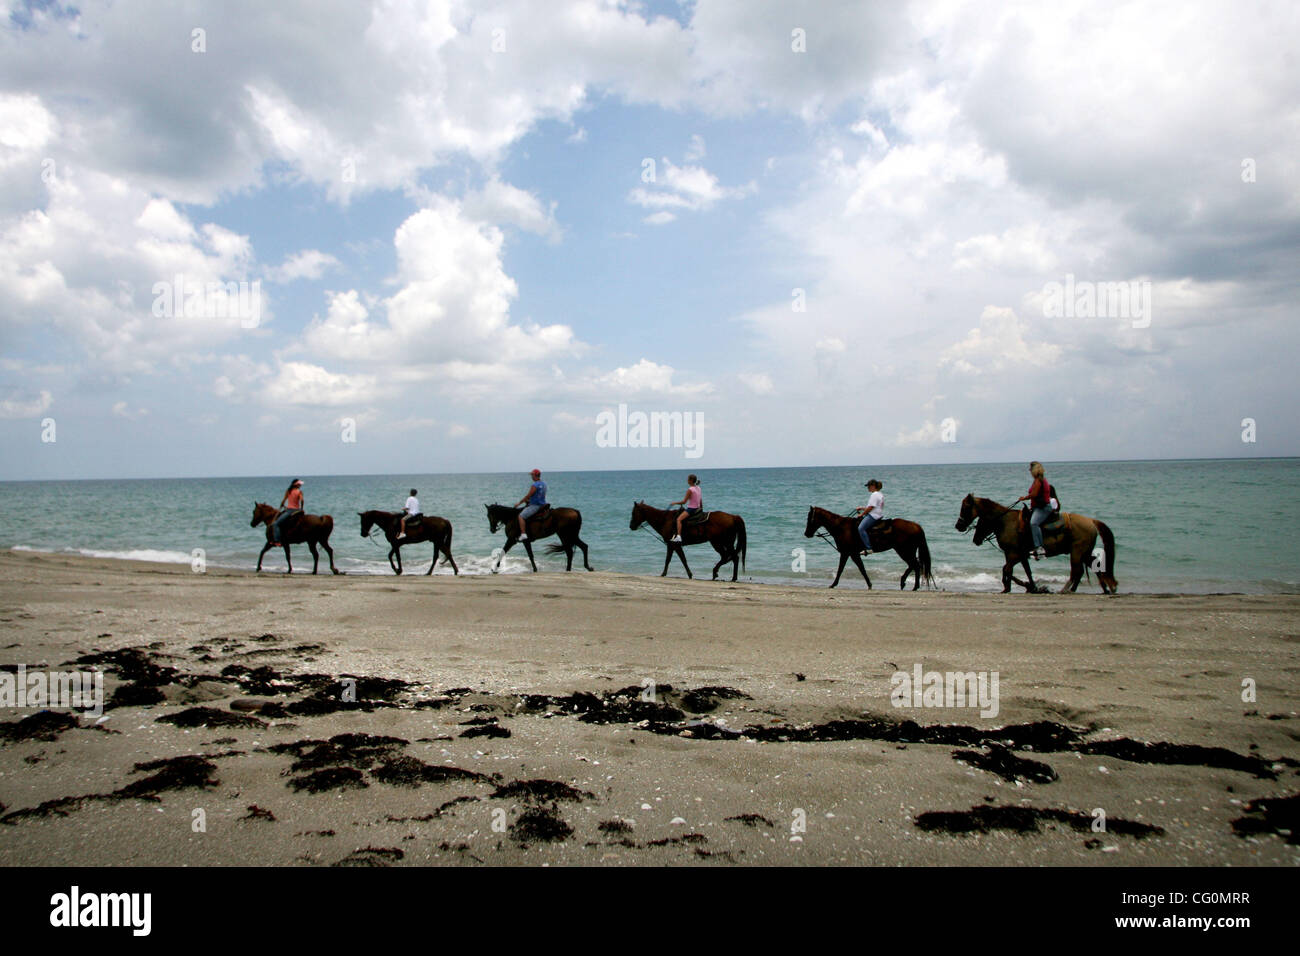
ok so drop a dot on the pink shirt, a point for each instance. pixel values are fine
(293, 499)
(694, 496)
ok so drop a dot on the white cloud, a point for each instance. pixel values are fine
(685, 187)
(757, 382)
(16, 404)
(500, 203)
(306, 264)
(301, 383)
(998, 344)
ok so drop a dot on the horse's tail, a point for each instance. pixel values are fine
(740, 540)
(555, 548)
(923, 552)
(1108, 547)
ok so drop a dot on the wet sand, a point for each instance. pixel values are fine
(616, 719)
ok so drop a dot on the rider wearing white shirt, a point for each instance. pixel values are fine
(410, 510)
(874, 512)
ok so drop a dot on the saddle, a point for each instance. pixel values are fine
(1054, 525)
(699, 517)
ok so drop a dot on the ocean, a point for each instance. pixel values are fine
(1191, 527)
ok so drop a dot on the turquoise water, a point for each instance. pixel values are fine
(1180, 526)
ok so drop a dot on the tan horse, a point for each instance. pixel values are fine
(1075, 535)
(312, 529)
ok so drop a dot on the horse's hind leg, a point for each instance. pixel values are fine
(585, 563)
(330, 552)
(568, 557)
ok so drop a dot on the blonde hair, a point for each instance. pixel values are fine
(1036, 469)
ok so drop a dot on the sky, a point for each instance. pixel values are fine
(248, 238)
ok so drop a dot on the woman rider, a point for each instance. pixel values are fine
(290, 505)
(535, 498)
(873, 513)
(693, 501)
(1039, 497)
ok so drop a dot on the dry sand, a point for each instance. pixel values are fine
(632, 781)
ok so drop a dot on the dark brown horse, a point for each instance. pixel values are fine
(429, 528)
(312, 529)
(726, 532)
(564, 522)
(897, 534)
(1073, 534)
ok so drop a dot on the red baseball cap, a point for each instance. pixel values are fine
(535, 471)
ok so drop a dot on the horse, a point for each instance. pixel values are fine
(565, 522)
(1077, 536)
(726, 532)
(428, 528)
(898, 534)
(313, 529)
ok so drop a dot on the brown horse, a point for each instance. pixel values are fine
(564, 522)
(429, 528)
(897, 534)
(313, 529)
(1072, 534)
(726, 532)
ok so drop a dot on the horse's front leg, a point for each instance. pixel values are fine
(288, 559)
(528, 546)
(1032, 587)
(435, 559)
(681, 553)
(857, 559)
(1007, 570)
(262, 555)
(844, 559)
(668, 559)
(315, 556)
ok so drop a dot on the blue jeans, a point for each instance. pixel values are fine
(1037, 518)
(284, 516)
(864, 527)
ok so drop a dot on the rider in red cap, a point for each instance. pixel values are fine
(534, 499)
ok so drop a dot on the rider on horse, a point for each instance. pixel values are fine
(291, 505)
(1040, 497)
(410, 510)
(694, 501)
(874, 513)
(535, 499)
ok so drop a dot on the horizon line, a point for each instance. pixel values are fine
(565, 471)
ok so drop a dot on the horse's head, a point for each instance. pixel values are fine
(261, 513)
(367, 522)
(638, 515)
(494, 521)
(968, 514)
(813, 522)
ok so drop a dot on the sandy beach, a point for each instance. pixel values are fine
(599, 718)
